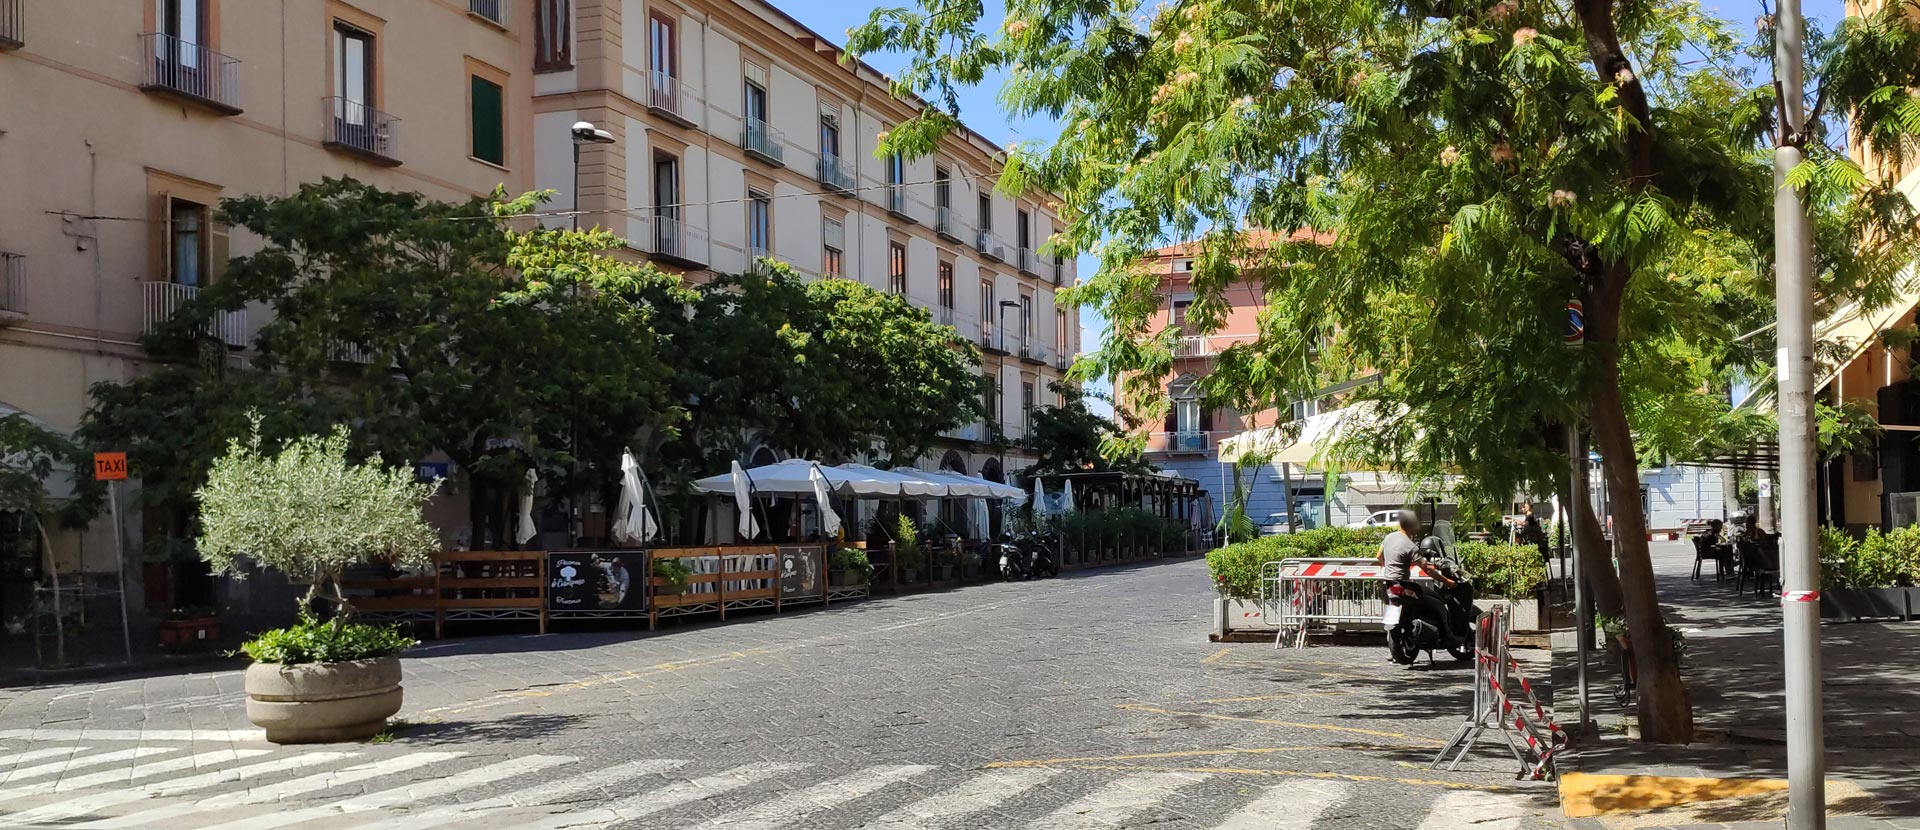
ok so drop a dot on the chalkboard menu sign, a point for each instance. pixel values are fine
(801, 572)
(602, 581)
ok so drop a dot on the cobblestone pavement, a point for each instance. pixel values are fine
(1090, 701)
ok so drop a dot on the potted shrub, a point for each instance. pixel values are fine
(850, 568)
(670, 577)
(309, 512)
(908, 556)
(192, 627)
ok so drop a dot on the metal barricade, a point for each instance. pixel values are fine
(1321, 595)
(1496, 678)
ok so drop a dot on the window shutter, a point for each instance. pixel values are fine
(757, 75)
(1206, 420)
(489, 122)
(834, 235)
(219, 236)
(163, 205)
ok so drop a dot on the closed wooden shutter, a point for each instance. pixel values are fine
(552, 35)
(489, 122)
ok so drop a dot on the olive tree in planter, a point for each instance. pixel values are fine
(309, 512)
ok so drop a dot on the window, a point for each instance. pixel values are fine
(662, 51)
(1023, 227)
(896, 170)
(666, 204)
(833, 243)
(489, 121)
(829, 136)
(1180, 314)
(187, 237)
(759, 224)
(184, 24)
(353, 73)
(1305, 409)
(946, 285)
(942, 189)
(991, 398)
(1026, 405)
(986, 213)
(754, 104)
(1187, 415)
(897, 268)
(986, 306)
(1183, 265)
(552, 35)
(1060, 330)
(1026, 318)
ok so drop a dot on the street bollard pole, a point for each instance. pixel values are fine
(1582, 616)
(1793, 492)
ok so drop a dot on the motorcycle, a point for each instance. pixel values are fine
(1411, 624)
(1039, 549)
(1010, 557)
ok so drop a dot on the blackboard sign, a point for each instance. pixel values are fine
(801, 572)
(600, 581)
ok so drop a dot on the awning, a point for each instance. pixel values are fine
(793, 477)
(1305, 444)
(1851, 330)
(974, 486)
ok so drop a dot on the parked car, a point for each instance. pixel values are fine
(1380, 518)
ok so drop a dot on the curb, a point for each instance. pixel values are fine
(121, 670)
(1584, 794)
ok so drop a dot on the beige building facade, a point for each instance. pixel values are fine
(739, 134)
(124, 122)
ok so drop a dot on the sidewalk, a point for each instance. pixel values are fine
(1734, 775)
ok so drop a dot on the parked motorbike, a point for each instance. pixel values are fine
(1010, 557)
(1039, 549)
(1413, 626)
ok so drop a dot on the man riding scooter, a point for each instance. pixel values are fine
(1400, 554)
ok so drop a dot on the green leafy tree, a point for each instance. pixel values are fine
(30, 453)
(1068, 439)
(1481, 163)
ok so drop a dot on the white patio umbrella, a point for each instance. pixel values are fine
(527, 530)
(977, 516)
(1066, 498)
(743, 502)
(829, 520)
(633, 523)
(1039, 496)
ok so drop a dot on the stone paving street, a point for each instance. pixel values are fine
(1090, 701)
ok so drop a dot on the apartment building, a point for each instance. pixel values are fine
(738, 134)
(124, 122)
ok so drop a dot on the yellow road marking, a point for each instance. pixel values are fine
(1288, 773)
(1291, 724)
(1215, 657)
(1191, 753)
(1252, 698)
(504, 698)
(1584, 794)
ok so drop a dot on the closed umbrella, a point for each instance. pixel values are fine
(527, 530)
(743, 502)
(1066, 498)
(1039, 497)
(633, 523)
(829, 520)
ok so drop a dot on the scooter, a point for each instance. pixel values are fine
(1011, 558)
(1411, 624)
(1038, 549)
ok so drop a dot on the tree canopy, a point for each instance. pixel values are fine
(1069, 439)
(1479, 165)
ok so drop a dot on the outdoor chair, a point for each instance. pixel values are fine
(1707, 549)
(1760, 563)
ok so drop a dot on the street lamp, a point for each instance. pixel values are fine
(584, 133)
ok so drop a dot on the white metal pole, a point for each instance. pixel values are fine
(120, 565)
(1793, 491)
(1582, 616)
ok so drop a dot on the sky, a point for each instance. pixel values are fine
(980, 110)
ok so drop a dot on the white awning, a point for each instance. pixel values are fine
(793, 477)
(1304, 444)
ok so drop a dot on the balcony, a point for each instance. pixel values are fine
(763, 142)
(1027, 261)
(492, 11)
(993, 341)
(946, 225)
(13, 24)
(944, 315)
(164, 299)
(1185, 441)
(837, 174)
(13, 287)
(679, 243)
(358, 129)
(666, 99)
(1063, 360)
(990, 246)
(899, 204)
(1035, 353)
(191, 72)
(1191, 346)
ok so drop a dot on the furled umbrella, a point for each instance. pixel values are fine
(1039, 497)
(527, 530)
(743, 502)
(633, 523)
(829, 520)
(1066, 498)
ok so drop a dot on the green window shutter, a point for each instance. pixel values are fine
(489, 122)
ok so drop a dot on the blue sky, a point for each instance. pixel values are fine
(981, 111)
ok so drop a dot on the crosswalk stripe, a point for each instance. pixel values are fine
(1470, 810)
(58, 767)
(542, 794)
(273, 792)
(787, 810)
(199, 735)
(37, 754)
(984, 792)
(401, 795)
(120, 776)
(93, 802)
(663, 799)
(1116, 802)
(1290, 806)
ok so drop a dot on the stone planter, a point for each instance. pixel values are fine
(1523, 615)
(1853, 604)
(323, 702)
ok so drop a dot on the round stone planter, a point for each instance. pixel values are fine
(323, 702)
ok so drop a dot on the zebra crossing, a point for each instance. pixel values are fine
(256, 786)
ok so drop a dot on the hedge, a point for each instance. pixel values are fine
(1880, 560)
(1502, 570)
(1513, 571)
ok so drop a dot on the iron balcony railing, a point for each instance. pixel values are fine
(359, 128)
(678, 241)
(13, 284)
(1190, 347)
(1028, 262)
(990, 246)
(836, 173)
(164, 299)
(763, 141)
(946, 224)
(897, 199)
(191, 71)
(493, 10)
(665, 97)
(1062, 359)
(13, 24)
(944, 314)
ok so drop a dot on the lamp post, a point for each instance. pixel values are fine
(584, 133)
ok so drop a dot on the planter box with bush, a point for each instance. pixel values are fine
(1875, 577)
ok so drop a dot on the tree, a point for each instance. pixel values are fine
(1481, 163)
(309, 512)
(1068, 439)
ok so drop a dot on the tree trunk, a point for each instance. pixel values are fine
(1597, 565)
(1666, 713)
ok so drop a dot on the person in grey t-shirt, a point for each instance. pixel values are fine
(1400, 554)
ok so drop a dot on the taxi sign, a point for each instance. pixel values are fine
(110, 466)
